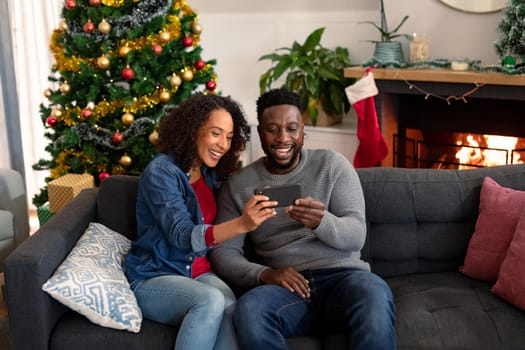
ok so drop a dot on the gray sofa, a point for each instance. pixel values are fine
(420, 222)
(14, 217)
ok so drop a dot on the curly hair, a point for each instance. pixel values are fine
(275, 97)
(178, 131)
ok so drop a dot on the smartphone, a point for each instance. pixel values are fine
(285, 195)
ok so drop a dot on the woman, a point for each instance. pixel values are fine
(167, 266)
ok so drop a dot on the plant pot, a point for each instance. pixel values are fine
(323, 119)
(389, 52)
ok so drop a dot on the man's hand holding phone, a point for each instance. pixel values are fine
(307, 211)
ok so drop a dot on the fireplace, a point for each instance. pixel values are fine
(450, 150)
(425, 113)
(480, 132)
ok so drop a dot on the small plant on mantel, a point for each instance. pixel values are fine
(314, 72)
(393, 48)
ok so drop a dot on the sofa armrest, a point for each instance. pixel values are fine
(13, 199)
(32, 312)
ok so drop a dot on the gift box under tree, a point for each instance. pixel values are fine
(44, 213)
(65, 188)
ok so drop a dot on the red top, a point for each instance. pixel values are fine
(209, 211)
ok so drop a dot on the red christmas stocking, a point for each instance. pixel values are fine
(372, 147)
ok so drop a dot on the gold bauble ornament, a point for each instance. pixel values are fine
(153, 137)
(62, 26)
(103, 62)
(164, 37)
(164, 96)
(187, 75)
(127, 118)
(175, 80)
(196, 28)
(47, 93)
(123, 50)
(65, 88)
(57, 113)
(104, 27)
(125, 160)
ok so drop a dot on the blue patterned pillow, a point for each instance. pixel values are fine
(92, 282)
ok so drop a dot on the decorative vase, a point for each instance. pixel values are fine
(389, 52)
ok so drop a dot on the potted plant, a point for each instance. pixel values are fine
(387, 50)
(315, 73)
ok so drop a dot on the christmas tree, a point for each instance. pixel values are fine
(119, 65)
(511, 46)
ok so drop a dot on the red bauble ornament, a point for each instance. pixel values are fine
(157, 49)
(211, 85)
(117, 137)
(94, 2)
(103, 175)
(71, 4)
(128, 73)
(187, 41)
(51, 121)
(89, 27)
(85, 113)
(199, 64)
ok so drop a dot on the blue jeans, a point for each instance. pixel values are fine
(202, 307)
(355, 302)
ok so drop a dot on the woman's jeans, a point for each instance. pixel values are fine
(202, 307)
(350, 301)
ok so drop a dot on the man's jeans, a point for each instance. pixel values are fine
(203, 308)
(355, 302)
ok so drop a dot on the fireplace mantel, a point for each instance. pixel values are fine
(439, 75)
(443, 99)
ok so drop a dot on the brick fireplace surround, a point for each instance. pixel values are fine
(413, 99)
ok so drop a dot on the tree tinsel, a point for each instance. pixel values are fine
(119, 65)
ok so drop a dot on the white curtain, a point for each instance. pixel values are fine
(32, 23)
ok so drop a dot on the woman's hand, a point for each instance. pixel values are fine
(307, 211)
(257, 210)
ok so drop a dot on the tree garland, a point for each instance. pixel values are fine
(104, 136)
(444, 63)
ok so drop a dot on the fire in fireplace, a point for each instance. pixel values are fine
(456, 150)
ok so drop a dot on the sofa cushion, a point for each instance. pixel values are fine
(75, 332)
(92, 282)
(499, 211)
(511, 282)
(449, 310)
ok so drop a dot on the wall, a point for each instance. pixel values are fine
(237, 33)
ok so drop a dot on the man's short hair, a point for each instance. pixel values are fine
(276, 97)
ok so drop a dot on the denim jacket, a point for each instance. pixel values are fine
(170, 225)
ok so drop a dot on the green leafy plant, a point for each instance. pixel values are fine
(313, 71)
(388, 35)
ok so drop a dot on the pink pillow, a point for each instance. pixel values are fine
(499, 211)
(511, 284)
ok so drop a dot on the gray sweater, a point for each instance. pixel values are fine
(282, 242)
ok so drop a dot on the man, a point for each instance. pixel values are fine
(307, 277)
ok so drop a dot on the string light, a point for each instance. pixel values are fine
(428, 94)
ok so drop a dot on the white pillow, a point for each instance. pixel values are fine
(92, 282)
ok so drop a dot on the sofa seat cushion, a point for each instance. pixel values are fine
(73, 331)
(451, 311)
